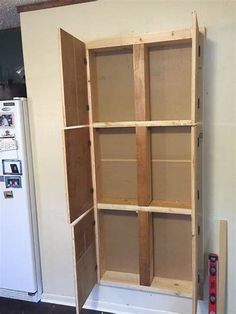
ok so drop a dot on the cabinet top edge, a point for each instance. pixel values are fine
(183, 35)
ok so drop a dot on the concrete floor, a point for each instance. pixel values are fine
(10, 306)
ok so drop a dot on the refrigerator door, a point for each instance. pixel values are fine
(17, 257)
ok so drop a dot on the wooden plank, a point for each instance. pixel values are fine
(76, 127)
(85, 258)
(128, 205)
(141, 82)
(195, 58)
(92, 98)
(222, 266)
(78, 168)
(74, 80)
(145, 248)
(127, 124)
(144, 170)
(194, 202)
(142, 113)
(159, 284)
(180, 35)
(47, 5)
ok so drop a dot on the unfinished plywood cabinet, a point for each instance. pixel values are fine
(133, 142)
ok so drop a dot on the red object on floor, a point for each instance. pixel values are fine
(213, 281)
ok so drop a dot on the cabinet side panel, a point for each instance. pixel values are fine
(78, 168)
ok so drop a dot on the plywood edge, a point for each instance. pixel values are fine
(146, 38)
(93, 164)
(73, 223)
(76, 127)
(159, 285)
(75, 271)
(66, 177)
(61, 32)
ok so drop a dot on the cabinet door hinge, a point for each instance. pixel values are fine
(96, 267)
(199, 51)
(198, 103)
(87, 107)
(198, 194)
(85, 61)
(89, 143)
(91, 190)
(198, 230)
(198, 278)
(200, 136)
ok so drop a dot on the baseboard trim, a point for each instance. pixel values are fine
(58, 299)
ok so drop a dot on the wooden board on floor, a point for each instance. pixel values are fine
(79, 175)
(74, 79)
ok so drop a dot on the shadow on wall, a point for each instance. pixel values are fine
(12, 78)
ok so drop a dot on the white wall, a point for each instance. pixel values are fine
(114, 18)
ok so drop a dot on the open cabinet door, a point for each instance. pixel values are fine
(195, 191)
(74, 80)
(85, 258)
(78, 163)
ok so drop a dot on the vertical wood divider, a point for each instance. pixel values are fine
(194, 104)
(143, 143)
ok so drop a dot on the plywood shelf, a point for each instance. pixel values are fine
(129, 124)
(177, 208)
(162, 285)
(117, 203)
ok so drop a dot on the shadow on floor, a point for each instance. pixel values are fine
(10, 306)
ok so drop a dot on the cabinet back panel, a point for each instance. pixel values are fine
(170, 81)
(118, 179)
(171, 181)
(117, 143)
(116, 163)
(119, 241)
(172, 246)
(171, 143)
(115, 86)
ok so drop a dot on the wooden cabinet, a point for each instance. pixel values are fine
(133, 146)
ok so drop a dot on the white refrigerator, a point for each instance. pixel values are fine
(20, 275)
